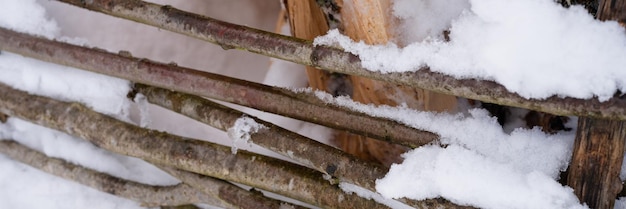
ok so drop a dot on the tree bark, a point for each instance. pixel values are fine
(303, 105)
(332, 59)
(308, 152)
(164, 149)
(147, 195)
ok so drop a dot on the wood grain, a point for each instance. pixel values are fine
(370, 21)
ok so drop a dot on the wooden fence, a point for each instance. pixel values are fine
(206, 169)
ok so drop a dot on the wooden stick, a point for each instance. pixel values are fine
(149, 196)
(303, 52)
(303, 106)
(308, 152)
(287, 179)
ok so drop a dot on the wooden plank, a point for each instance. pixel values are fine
(307, 21)
(599, 147)
(371, 22)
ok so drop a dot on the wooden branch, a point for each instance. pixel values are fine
(231, 195)
(301, 51)
(160, 148)
(319, 156)
(303, 106)
(150, 196)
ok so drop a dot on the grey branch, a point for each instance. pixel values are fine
(148, 195)
(164, 149)
(230, 195)
(302, 106)
(321, 157)
(303, 52)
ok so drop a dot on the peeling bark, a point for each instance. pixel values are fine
(303, 52)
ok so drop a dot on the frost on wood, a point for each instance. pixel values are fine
(241, 131)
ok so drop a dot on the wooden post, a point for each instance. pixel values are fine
(597, 161)
(599, 147)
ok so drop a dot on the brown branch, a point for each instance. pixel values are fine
(302, 106)
(311, 153)
(148, 195)
(303, 52)
(160, 148)
(232, 195)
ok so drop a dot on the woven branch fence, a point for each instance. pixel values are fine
(206, 169)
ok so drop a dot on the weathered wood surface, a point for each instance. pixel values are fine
(599, 147)
(371, 21)
(597, 161)
(307, 21)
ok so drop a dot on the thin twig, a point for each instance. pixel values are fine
(148, 195)
(303, 106)
(311, 153)
(287, 179)
(300, 51)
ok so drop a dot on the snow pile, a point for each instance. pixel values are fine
(475, 163)
(25, 187)
(430, 17)
(241, 131)
(521, 44)
(102, 93)
(28, 17)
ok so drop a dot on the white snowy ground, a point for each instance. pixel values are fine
(506, 41)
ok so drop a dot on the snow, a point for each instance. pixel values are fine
(367, 194)
(522, 44)
(241, 131)
(475, 162)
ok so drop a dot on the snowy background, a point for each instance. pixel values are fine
(522, 44)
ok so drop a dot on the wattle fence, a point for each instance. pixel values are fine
(206, 169)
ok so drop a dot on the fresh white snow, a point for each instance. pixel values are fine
(533, 47)
(475, 162)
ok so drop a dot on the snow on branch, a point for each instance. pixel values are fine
(300, 51)
(164, 149)
(319, 156)
(149, 196)
(302, 106)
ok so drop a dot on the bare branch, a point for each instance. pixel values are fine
(311, 153)
(160, 148)
(148, 195)
(302, 106)
(303, 52)
(232, 195)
